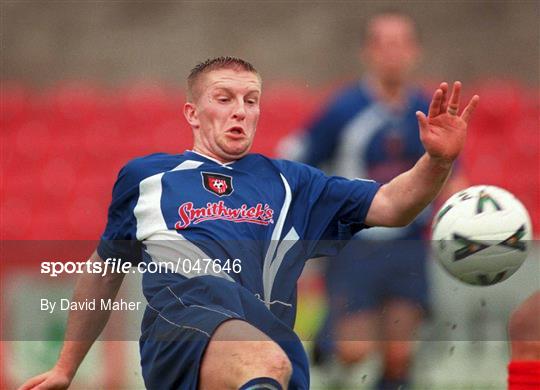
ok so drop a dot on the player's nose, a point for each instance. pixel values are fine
(239, 111)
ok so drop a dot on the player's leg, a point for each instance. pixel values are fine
(192, 340)
(406, 302)
(240, 355)
(401, 320)
(524, 329)
(357, 307)
(323, 342)
(356, 336)
(524, 333)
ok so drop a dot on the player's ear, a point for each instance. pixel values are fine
(191, 115)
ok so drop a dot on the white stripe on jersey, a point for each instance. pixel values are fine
(147, 211)
(284, 246)
(188, 164)
(268, 274)
(356, 136)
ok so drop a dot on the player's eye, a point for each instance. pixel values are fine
(223, 99)
(252, 99)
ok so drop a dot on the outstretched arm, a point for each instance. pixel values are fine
(443, 134)
(83, 328)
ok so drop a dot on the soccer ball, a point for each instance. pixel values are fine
(481, 235)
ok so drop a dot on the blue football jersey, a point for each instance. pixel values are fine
(360, 136)
(267, 216)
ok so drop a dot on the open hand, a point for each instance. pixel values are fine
(443, 131)
(50, 380)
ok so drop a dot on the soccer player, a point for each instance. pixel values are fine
(227, 327)
(377, 289)
(524, 332)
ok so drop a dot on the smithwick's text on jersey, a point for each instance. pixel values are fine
(259, 214)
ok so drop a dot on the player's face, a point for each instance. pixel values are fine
(392, 49)
(225, 113)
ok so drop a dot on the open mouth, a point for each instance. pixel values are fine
(237, 130)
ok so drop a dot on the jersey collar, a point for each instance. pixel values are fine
(203, 156)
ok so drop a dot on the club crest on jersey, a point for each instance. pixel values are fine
(220, 185)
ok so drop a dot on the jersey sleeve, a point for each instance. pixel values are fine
(341, 206)
(328, 208)
(119, 239)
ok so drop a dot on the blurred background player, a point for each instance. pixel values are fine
(524, 334)
(376, 300)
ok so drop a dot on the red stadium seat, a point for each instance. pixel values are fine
(501, 103)
(149, 104)
(76, 102)
(285, 108)
(49, 223)
(173, 136)
(33, 141)
(85, 217)
(101, 140)
(17, 218)
(15, 104)
(57, 179)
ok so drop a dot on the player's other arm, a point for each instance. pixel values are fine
(83, 328)
(443, 134)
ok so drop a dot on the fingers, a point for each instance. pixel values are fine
(453, 103)
(444, 88)
(440, 104)
(435, 105)
(33, 382)
(422, 122)
(468, 111)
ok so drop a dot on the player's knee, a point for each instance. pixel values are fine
(279, 365)
(242, 361)
(397, 361)
(350, 352)
(266, 359)
(269, 360)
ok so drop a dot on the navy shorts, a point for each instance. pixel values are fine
(367, 273)
(180, 320)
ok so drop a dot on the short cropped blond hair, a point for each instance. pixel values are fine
(224, 62)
